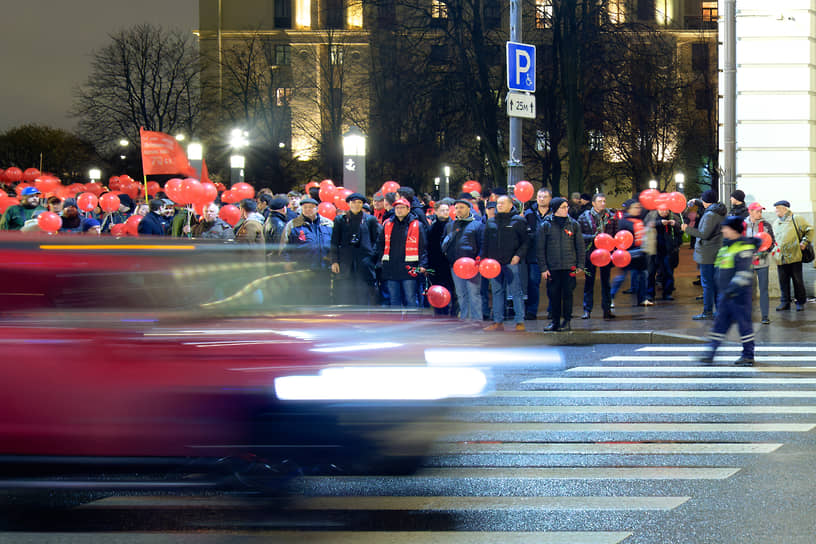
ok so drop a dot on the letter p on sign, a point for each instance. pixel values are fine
(521, 69)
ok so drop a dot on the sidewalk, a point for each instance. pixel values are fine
(670, 321)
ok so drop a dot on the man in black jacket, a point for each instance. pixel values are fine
(354, 252)
(560, 255)
(534, 216)
(463, 238)
(275, 222)
(505, 240)
(596, 220)
(154, 223)
(437, 262)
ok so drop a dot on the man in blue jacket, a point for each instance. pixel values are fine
(154, 223)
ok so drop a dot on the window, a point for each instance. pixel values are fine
(335, 14)
(595, 138)
(283, 13)
(646, 10)
(617, 12)
(336, 54)
(354, 14)
(282, 96)
(492, 14)
(386, 14)
(710, 12)
(439, 9)
(542, 141)
(303, 13)
(543, 13)
(699, 57)
(282, 54)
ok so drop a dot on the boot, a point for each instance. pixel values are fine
(552, 327)
(744, 361)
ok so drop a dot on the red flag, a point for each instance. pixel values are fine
(162, 154)
(205, 175)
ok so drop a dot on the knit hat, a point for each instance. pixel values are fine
(88, 223)
(125, 200)
(461, 201)
(556, 203)
(738, 195)
(709, 197)
(734, 222)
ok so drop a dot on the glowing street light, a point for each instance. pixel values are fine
(95, 174)
(354, 163)
(679, 181)
(652, 184)
(239, 139)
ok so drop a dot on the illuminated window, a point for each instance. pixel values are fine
(439, 9)
(282, 96)
(596, 142)
(336, 55)
(303, 13)
(543, 13)
(542, 141)
(282, 54)
(710, 12)
(617, 12)
(354, 14)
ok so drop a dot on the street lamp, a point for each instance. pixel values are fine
(436, 187)
(195, 154)
(180, 137)
(446, 187)
(95, 174)
(652, 184)
(679, 181)
(354, 165)
(239, 139)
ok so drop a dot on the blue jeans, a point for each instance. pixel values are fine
(399, 290)
(637, 284)
(469, 296)
(533, 288)
(589, 286)
(507, 280)
(707, 278)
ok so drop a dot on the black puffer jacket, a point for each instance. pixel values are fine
(560, 248)
(505, 237)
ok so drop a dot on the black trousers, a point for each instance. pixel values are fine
(561, 287)
(788, 272)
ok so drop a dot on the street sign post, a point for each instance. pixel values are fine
(521, 105)
(521, 69)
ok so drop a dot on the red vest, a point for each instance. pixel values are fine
(411, 243)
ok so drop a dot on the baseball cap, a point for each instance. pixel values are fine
(755, 206)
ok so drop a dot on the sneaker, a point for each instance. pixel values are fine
(494, 327)
(702, 317)
(646, 302)
(782, 307)
(612, 304)
(552, 327)
(585, 316)
(520, 327)
(744, 361)
(765, 321)
(800, 307)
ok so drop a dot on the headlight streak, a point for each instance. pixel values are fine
(551, 359)
(356, 347)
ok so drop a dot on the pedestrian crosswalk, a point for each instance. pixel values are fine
(597, 453)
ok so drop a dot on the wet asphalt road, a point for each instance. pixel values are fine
(623, 446)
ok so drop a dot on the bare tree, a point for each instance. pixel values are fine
(146, 77)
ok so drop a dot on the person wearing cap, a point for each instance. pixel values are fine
(379, 206)
(417, 208)
(16, 216)
(596, 220)
(505, 240)
(791, 232)
(402, 243)
(738, 206)
(734, 280)
(306, 240)
(463, 238)
(354, 253)
(560, 249)
(91, 226)
(154, 223)
(754, 225)
(709, 241)
(275, 221)
(119, 216)
(249, 229)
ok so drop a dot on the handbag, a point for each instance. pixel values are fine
(807, 253)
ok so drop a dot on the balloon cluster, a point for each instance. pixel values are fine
(612, 250)
(467, 268)
(652, 199)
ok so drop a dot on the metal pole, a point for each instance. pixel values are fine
(515, 168)
(728, 182)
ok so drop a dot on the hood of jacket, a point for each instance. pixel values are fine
(718, 208)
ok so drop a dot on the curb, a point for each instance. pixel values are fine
(587, 338)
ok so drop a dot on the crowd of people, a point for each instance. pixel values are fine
(389, 248)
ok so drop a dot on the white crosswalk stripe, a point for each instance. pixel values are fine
(718, 358)
(700, 348)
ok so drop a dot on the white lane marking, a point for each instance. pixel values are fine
(695, 369)
(677, 381)
(688, 348)
(462, 428)
(585, 473)
(576, 393)
(592, 448)
(638, 409)
(719, 358)
(572, 503)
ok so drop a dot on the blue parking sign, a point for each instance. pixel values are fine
(521, 71)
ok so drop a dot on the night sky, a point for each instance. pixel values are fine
(46, 47)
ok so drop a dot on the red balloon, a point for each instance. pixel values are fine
(227, 197)
(465, 268)
(390, 187)
(118, 230)
(647, 198)
(523, 191)
(438, 296)
(153, 188)
(766, 241)
(624, 239)
(600, 257)
(472, 185)
(31, 174)
(49, 222)
(220, 186)
(231, 214)
(47, 183)
(621, 258)
(7, 202)
(76, 188)
(173, 190)
(326, 193)
(94, 188)
(13, 174)
(191, 190)
(20, 188)
(677, 202)
(310, 185)
(131, 188)
(132, 225)
(340, 194)
(327, 210)
(208, 193)
(243, 190)
(662, 201)
(114, 183)
(605, 242)
(489, 268)
(87, 201)
(109, 202)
